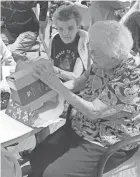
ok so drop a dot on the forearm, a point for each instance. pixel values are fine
(65, 75)
(8, 59)
(75, 85)
(78, 84)
(43, 10)
(117, 5)
(83, 106)
(126, 17)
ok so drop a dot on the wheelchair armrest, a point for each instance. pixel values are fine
(112, 149)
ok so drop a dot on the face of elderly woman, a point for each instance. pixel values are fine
(100, 54)
(100, 58)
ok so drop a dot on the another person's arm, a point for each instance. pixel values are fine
(132, 10)
(43, 16)
(117, 5)
(78, 84)
(91, 109)
(7, 58)
(66, 75)
(138, 40)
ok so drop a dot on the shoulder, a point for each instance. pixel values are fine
(83, 34)
(126, 73)
(55, 37)
(132, 63)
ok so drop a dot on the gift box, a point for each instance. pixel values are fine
(22, 114)
(27, 90)
(42, 117)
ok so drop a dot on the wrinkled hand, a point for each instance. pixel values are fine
(46, 74)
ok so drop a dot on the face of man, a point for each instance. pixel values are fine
(67, 30)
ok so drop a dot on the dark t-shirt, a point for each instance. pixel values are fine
(64, 55)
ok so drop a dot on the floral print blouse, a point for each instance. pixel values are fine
(120, 91)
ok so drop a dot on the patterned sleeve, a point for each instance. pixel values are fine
(123, 93)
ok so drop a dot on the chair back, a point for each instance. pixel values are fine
(9, 165)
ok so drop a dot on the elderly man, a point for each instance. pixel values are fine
(21, 26)
(103, 115)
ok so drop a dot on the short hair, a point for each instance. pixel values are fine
(66, 12)
(115, 39)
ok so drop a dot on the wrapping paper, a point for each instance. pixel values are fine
(49, 113)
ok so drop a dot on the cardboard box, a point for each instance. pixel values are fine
(27, 90)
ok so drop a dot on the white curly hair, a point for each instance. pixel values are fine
(114, 39)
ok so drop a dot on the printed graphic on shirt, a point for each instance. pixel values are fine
(64, 55)
(66, 59)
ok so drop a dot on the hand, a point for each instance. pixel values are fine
(56, 70)
(45, 73)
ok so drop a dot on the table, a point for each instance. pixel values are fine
(12, 131)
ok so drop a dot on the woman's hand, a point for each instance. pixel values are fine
(45, 73)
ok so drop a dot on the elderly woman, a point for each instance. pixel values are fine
(102, 116)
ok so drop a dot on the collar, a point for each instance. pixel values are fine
(118, 70)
